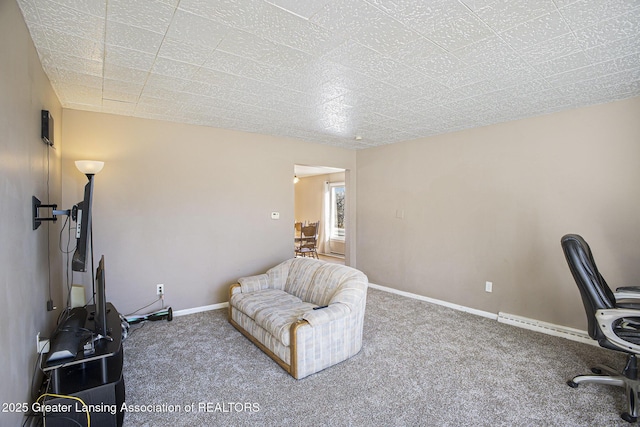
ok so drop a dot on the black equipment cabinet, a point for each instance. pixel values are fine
(95, 378)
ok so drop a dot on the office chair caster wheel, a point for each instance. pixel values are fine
(628, 418)
(596, 371)
(571, 384)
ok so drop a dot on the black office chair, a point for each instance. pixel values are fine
(614, 323)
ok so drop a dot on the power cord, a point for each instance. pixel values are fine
(161, 298)
(62, 396)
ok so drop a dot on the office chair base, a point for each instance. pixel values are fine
(614, 378)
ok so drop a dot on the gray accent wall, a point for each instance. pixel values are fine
(30, 263)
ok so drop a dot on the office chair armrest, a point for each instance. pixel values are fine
(627, 292)
(606, 319)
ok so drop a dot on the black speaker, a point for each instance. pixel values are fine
(46, 127)
(104, 403)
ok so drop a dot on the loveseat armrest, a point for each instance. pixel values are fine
(326, 314)
(254, 283)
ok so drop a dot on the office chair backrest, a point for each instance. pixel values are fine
(594, 290)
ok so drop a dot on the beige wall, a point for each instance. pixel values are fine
(308, 196)
(491, 204)
(186, 206)
(27, 168)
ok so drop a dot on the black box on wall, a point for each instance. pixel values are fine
(46, 127)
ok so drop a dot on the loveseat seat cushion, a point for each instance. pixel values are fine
(272, 309)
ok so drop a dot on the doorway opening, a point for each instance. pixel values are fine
(320, 196)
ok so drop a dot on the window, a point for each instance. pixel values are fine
(337, 210)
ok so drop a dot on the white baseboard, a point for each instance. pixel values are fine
(201, 309)
(436, 301)
(510, 319)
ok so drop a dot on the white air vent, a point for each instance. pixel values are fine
(546, 328)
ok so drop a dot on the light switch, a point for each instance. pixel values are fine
(275, 215)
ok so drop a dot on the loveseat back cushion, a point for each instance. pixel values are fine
(279, 274)
(318, 282)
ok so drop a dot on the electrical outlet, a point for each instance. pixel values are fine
(42, 344)
(488, 286)
(159, 289)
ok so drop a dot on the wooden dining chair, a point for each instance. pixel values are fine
(306, 245)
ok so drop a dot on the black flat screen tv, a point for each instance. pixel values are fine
(101, 301)
(83, 229)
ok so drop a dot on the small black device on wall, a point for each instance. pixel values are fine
(47, 127)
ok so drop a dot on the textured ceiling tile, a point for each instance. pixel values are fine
(585, 13)
(260, 71)
(29, 11)
(81, 94)
(407, 77)
(182, 51)
(169, 83)
(120, 86)
(93, 7)
(243, 43)
(71, 21)
(465, 76)
(347, 17)
(69, 77)
(241, 14)
(564, 3)
(428, 95)
(224, 62)
(440, 65)
(557, 47)
(128, 58)
(563, 64)
(134, 38)
(416, 51)
(286, 57)
(386, 36)
(168, 67)
(384, 92)
(115, 98)
(196, 29)
(217, 78)
(40, 37)
(391, 69)
(621, 27)
(594, 71)
(535, 31)
(117, 107)
(601, 83)
(415, 14)
(492, 48)
(502, 15)
(150, 14)
(70, 45)
(126, 74)
(55, 60)
(303, 8)
(455, 28)
(616, 49)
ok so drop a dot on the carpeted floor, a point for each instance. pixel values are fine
(420, 365)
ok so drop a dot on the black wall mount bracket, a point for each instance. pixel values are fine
(36, 204)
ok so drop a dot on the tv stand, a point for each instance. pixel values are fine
(94, 376)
